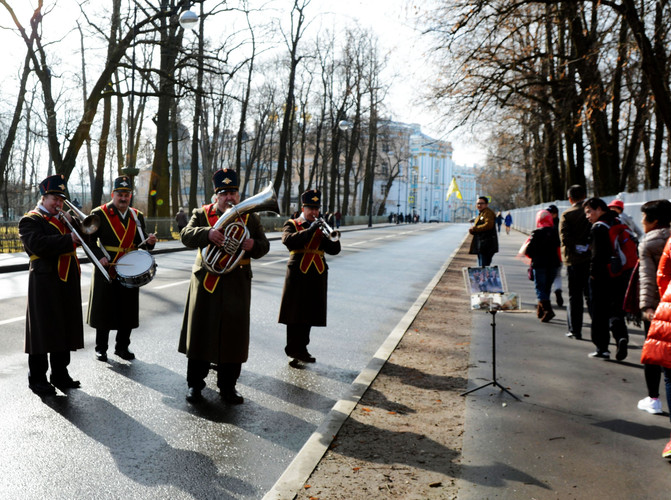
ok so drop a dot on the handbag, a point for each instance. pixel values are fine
(530, 273)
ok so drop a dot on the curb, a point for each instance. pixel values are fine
(309, 456)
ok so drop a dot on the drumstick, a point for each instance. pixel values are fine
(142, 242)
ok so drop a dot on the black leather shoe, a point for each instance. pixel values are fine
(194, 395)
(124, 354)
(101, 356)
(305, 357)
(231, 396)
(42, 388)
(65, 382)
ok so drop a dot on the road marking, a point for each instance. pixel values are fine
(12, 320)
(274, 262)
(22, 318)
(170, 284)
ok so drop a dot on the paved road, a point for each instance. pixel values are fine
(128, 433)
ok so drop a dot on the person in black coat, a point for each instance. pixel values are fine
(113, 306)
(607, 292)
(305, 286)
(54, 324)
(543, 250)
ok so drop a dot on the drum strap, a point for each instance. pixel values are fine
(125, 234)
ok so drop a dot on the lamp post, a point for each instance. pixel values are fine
(344, 126)
(188, 20)
(426, 197)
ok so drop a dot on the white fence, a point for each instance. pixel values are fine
(524, 219)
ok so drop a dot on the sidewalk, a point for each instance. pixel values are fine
(577, 432)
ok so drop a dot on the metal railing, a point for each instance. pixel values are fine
(524, 219)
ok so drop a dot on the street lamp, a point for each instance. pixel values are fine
(189, 20)
(426, 197)
(344, 126)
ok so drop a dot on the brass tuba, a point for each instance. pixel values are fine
(235, 230)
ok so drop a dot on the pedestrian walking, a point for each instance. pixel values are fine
(557, 283)
(574, 230)
(606, 291)
(181, 219)
(618, 207)
(657, 346)
(499, 222)
(543, 250)
(655, 220)
(508, 221)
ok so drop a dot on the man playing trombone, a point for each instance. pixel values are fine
(54, 318)
(215, 329)
(113, 306)
(304, 296)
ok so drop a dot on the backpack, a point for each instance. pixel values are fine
(624, 248)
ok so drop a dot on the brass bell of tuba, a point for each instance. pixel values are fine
(235, 231)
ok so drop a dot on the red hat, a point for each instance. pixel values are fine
(617, 203)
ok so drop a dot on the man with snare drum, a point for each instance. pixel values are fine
(113, 306)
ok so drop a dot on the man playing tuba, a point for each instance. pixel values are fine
(305, 286)
(216, 317)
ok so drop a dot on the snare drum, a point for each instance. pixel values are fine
(136, 269)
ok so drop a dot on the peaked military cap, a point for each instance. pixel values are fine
(312, 198)
(122, 183)
(225, 179)
(54, 184)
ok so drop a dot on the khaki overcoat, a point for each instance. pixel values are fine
(112, 306)
(304, 294)
(484, 239)
(215, 327)
(54, 315)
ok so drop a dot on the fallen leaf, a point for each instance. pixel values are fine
(356, 468)
(307, 486)
(391, 412)
(435, 485)
(366, 409)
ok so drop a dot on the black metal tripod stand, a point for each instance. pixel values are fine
(494, 382)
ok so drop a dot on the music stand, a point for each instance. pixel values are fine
(493, 382)
(488, 290)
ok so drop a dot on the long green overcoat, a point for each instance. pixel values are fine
(112, 306)
(304, 294)
(54, 315)
(215, 327)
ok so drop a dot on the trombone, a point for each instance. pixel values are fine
(329, 232)
(86, 225)
(89, 224)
